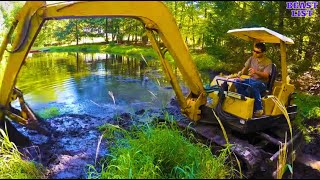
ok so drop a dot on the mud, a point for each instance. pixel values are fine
(65, 145)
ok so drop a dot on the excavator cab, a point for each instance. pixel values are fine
(276, 99)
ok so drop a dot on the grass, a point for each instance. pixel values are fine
(282, 160)
(12, 166)
(158, 151)
(49, 112)
(282, 164)
(128, 50)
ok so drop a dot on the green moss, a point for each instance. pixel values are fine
(49, 112)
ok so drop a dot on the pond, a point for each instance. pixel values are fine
(97, 84)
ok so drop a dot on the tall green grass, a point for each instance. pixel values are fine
(12, 166)
(159, 151)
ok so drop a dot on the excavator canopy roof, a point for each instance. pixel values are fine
(261, 34)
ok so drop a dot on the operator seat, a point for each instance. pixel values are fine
(272, 78)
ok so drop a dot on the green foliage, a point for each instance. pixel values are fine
(308, 110)
(9, 10)
(49, 112)
(160, 152)
(205, 62)
(12, 166)
(308, 105)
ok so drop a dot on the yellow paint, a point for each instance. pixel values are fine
(239, 108)
(268, 105)
(284, 92)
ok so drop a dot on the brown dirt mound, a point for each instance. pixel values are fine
(308, 82)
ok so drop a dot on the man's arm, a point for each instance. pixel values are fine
(264, 75)
(246, 67)
(243, 71)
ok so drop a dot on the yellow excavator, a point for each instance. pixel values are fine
(204, 106)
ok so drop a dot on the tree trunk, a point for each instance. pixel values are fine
(181, 16)
(128, 39)
(113, 31)
(188, 31)
(203, 34)
(144, 39)
(193, 41)
(77, 32)
(106, 31)
(136, 34)
(175, 9)
(282, 9)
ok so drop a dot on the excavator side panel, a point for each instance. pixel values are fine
(235, 106)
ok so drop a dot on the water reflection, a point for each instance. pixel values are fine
(79, 83)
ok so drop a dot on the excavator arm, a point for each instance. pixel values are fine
(154, 15)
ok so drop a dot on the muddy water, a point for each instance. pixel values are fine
(86, 91)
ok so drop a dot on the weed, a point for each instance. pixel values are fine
(228, 145)
(12, 166)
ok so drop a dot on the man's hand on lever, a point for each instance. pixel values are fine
(235, 75)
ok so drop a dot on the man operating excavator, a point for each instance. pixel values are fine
(258, 67)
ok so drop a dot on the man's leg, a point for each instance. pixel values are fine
(257, 88)
(241, 89)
